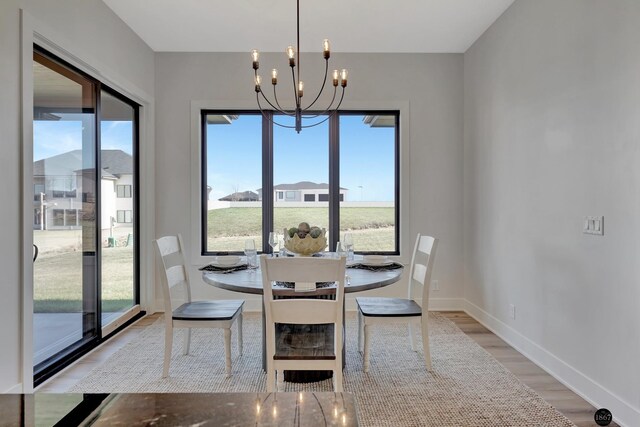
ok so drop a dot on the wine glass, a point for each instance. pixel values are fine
(347, 242)
(251, 253)
(273, 242)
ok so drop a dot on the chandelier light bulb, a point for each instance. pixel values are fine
(300, 88)
(292, 56)
(336, 75)
(274, 76)
(258, 81)
(343, 76)
(326, 48)
(254, 56)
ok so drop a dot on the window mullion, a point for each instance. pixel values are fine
(267, 179)
(334, 180)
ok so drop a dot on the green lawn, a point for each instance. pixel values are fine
(58, 281)
(372, 228)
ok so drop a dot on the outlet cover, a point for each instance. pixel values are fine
(512, 311)
(436, 285)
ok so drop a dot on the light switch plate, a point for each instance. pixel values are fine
(593, 225)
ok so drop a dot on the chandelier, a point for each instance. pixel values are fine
(298, 85)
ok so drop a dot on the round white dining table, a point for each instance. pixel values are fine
(250, 281)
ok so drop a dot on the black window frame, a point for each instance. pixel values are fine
(335, 197)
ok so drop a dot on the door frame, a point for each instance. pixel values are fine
(75, 53)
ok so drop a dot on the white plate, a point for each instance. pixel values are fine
(373, 260)
(227, 262)
(376, 263)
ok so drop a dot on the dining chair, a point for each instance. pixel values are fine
(219, 314)
(374, 311)
(286, 349)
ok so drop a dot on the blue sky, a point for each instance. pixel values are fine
(366, 156)
(51, 138)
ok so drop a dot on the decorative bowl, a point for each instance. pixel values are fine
(306, 246)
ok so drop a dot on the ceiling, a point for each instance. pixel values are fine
(269, 25)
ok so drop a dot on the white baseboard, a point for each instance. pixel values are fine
(598, 396)
(16, 389)
(446, 304)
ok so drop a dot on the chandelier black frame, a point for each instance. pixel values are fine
(298, 85)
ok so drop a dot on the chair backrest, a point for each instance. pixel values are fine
(302, 269)
(424, 255)
(174, 265)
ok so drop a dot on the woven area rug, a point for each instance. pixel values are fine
(467, 387)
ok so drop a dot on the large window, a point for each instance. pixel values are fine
(342, 175)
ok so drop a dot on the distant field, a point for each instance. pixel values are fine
(58, 282)
(372, 228)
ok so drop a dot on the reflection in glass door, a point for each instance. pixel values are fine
(64, 210)
(117, 141)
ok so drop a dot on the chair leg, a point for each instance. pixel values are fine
(271, 377)
(360, 331)
(412, 340)
(425, 344)
(187, 341)
(168, 345)
(366, 347)
(280, 380)
(337, 379)
(240, 333)
(227, 350)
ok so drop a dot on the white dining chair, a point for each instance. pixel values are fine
(281, 353)
(375, 311)
(219, 314)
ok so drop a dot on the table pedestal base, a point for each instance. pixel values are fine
(302, 341)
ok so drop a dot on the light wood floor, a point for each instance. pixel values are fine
(564, 400)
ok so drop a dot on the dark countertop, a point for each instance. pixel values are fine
(191, 409)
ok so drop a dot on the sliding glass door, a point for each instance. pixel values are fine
(84, 211)
(118, 135)
(64, 207)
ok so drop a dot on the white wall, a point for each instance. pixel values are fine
(88, 30)
(552, 128)
(429, 85)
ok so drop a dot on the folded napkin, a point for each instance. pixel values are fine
(291, 285)
(381, 267)
(223, 269)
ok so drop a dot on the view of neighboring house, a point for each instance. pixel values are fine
(60, 203)
(303, 191)
(241, 196)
